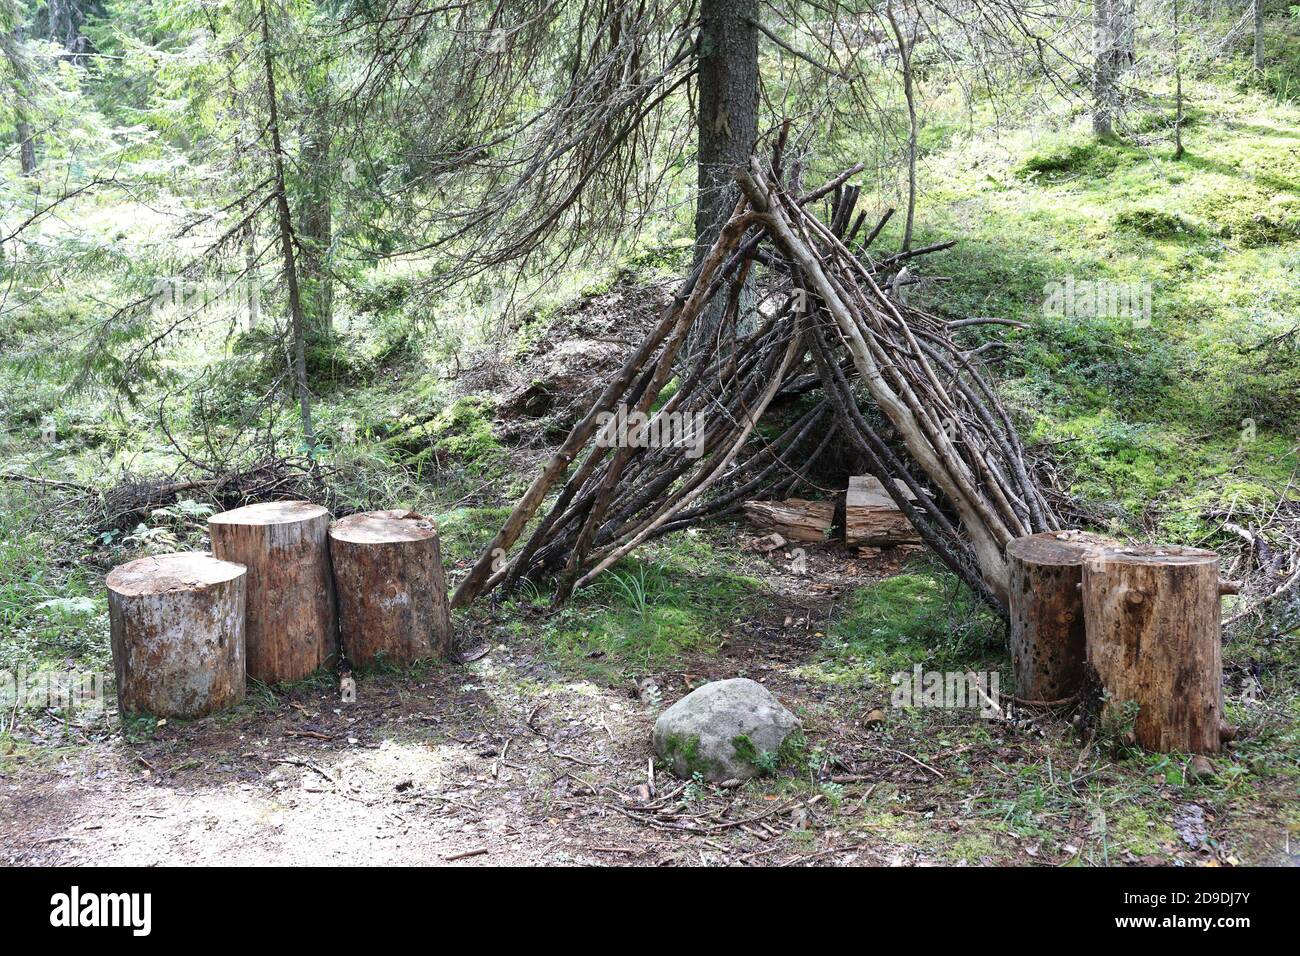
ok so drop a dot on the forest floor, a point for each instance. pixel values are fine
(515, 759)
(1164, 427)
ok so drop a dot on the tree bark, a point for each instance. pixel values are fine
(1153, 638)
(1258, 11)
(286, 243)
(177, 628)
(727, 128)
(1048, 648)
(392, 595)
(26, 147)
(315, 224)
(1178, 81)
(1103, 83)
(905, 46)
(21, 87)
(291, 628)
(64, 19)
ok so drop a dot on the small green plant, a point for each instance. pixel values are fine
(638, 587)
(834, 794)
(1115, 726)
(695, 790)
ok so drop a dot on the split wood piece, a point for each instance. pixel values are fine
(1048, 648)
(872, 519)
(177, 626)
(392, 596)
(291, 629)
(1153, 637)
(794, 519)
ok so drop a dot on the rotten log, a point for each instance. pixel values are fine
(291, 629)
(392, 596)
(871, 519)
(177, 628)
(1153, 638)
(1048, 646)
(795, 519)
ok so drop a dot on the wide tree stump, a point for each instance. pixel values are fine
(392, 595)
(1048, 648)
(872, 518)
(177, 626)
(1154, 632)
(291, 629)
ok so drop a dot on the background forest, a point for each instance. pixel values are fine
(383, 253)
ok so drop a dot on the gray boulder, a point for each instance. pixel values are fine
(726, 730)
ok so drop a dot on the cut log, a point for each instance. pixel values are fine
(1153, 626)
(794, 519)
(872, 519)
(392, 595)
(177, 627)
(291, 629)
(1048, 648)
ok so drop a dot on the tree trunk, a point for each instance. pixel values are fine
(391, 591)
(1178, 81)
(1153, 637)
(1259, 33)
(26, 147)
(726, 125)
(1103, 33)
(20, 84)
(1125, 12)
(285, 546)
(315, 225)
(905, 46)
(1048, 648)
(177, 627)
(286, 243)
(64, 18)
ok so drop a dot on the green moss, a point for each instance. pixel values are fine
(1141, 831)
(1071, 157)
(687, 747)
(745, 749)
(974, 848)
(1251, 217)
(464, 532)
(917, 617)
(650, 609)
(1154, 223)
(461, 433)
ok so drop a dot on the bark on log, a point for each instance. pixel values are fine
(1153, 626)
(291, 629)
(177, 626)
(1048, 647)
(795, 519)
(392, 595)
(872, 519)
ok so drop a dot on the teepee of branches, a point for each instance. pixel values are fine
(885, 377)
